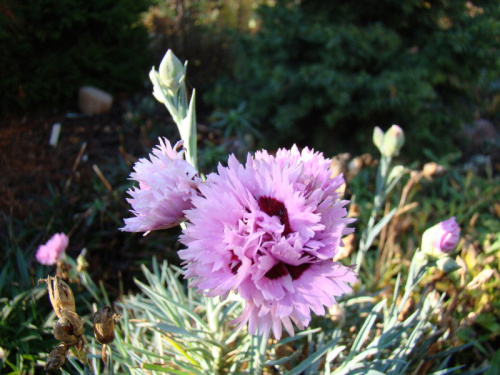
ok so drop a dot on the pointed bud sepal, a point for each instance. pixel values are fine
(447, 264)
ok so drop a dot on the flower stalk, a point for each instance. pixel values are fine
(389, 145)
(169, 88)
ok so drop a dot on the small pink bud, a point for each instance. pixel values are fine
(441, 238)
(53, 250)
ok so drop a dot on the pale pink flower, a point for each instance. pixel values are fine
(167, 183)
(442, 238)
(53, 250)
(269, 230)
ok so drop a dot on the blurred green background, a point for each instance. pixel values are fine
(315, 73)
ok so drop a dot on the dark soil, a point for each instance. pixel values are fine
(37, 178)
(30, 165)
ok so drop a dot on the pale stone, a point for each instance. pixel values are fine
(93, 101)
(54, 135)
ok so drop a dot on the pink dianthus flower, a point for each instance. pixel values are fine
(53, 250)
(268, 230)
(167, 183)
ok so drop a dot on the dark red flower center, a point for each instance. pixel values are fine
(283, 269)
(235, 263)
(274, 207)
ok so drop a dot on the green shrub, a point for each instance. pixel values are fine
(51, 47)
(316, 71)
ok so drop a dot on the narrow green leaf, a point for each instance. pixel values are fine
(160, 368)
(312, 359)
(367, 325)
(378, 227)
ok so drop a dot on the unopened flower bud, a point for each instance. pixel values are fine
(157, 90)
(389, 143)
(378, 138)
(53, 251)
(441, 239)
(60, 295)
(103, 323)
(394, 139)
(81, 262)
(171, 71)
(56, 358)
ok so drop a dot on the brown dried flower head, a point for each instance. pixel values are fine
(103, 323)
(69, 328)
(433, 169)
(60, 295)
(56, 358)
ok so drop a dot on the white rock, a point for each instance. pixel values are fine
(93, 101)
(54, 134)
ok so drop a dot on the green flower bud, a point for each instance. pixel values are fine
(378, 138)
(157, 91)
(81, 262)
(171, 71)
(394, 139)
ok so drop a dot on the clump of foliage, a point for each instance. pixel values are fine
(21, 318)
(50, 48)
(314, 71)
(470, 312)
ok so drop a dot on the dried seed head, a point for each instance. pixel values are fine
(75, 321)
(63, 331)
(60, 295)
(103, 322)
(69, 328)
(433, 169)
(56, 358)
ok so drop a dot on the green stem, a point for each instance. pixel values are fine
(109, 362)
(259, 344)
(378, 201)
